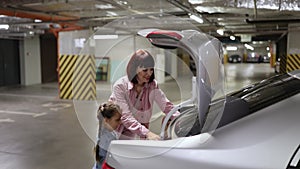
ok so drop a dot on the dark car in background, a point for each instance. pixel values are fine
(235, 59)
(266, 59)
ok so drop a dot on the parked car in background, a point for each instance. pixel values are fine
(266, 59)
(252, 58)
(235, 59)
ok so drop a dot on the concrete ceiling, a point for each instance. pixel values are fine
(262, 19)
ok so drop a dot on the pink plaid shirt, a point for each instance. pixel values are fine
(137, 110)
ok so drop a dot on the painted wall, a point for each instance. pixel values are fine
(293, 46)
(73, 42)
(119, 51)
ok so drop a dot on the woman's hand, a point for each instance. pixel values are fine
(152, 136)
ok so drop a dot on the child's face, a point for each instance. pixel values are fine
(113, 122)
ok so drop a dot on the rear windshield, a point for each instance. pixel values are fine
(242, 103)
(269, 92)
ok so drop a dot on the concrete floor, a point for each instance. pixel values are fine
(40, 131)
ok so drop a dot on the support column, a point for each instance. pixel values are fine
(293, 49)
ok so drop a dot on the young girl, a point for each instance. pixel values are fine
(109, 116)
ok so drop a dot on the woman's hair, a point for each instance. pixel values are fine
(141, 58)
(108, 110)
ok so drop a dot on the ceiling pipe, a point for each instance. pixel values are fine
(255, 8)
(279, 5)
(186, 9)
(66, 23)
(36, 15)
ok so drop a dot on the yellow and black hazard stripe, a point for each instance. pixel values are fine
(293, 62)
(77, 75)
(283, 60)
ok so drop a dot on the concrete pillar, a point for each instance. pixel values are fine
(293, 48)
(293, 45)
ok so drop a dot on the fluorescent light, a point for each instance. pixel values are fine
(194, 2)
(232, 37)
(248, 46)
(220, 31)
(110, 13)
(268, 48)
(105, 36)
(37, 20)
(4, 26)
(104, 6)
(122, 2)
(196, 18)
(231, 48)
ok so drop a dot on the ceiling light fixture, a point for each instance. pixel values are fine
(104, 6)
(4, 26)
(196, 18)
(37, 20)
(105, 36)
(194, 2)
(248, 46)
(232, 37)
(110, 13)
(220, 31)
(122, 2)
(231, 48)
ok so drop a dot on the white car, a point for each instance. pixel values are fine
(256, 127)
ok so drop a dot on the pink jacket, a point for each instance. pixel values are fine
(137, 110)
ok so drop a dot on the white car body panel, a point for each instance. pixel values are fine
(261, 140)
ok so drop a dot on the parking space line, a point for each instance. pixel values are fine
(8, 120)
(23, 113)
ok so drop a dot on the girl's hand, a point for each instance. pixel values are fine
(152, 136)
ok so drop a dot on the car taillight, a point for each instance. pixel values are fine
(106, 166)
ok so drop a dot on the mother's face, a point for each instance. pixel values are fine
(144, 74)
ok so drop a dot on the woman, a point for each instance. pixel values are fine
(135, 94)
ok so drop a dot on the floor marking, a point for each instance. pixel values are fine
(25, 95)
(56, 106)
(23, 113)
(8, 120)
